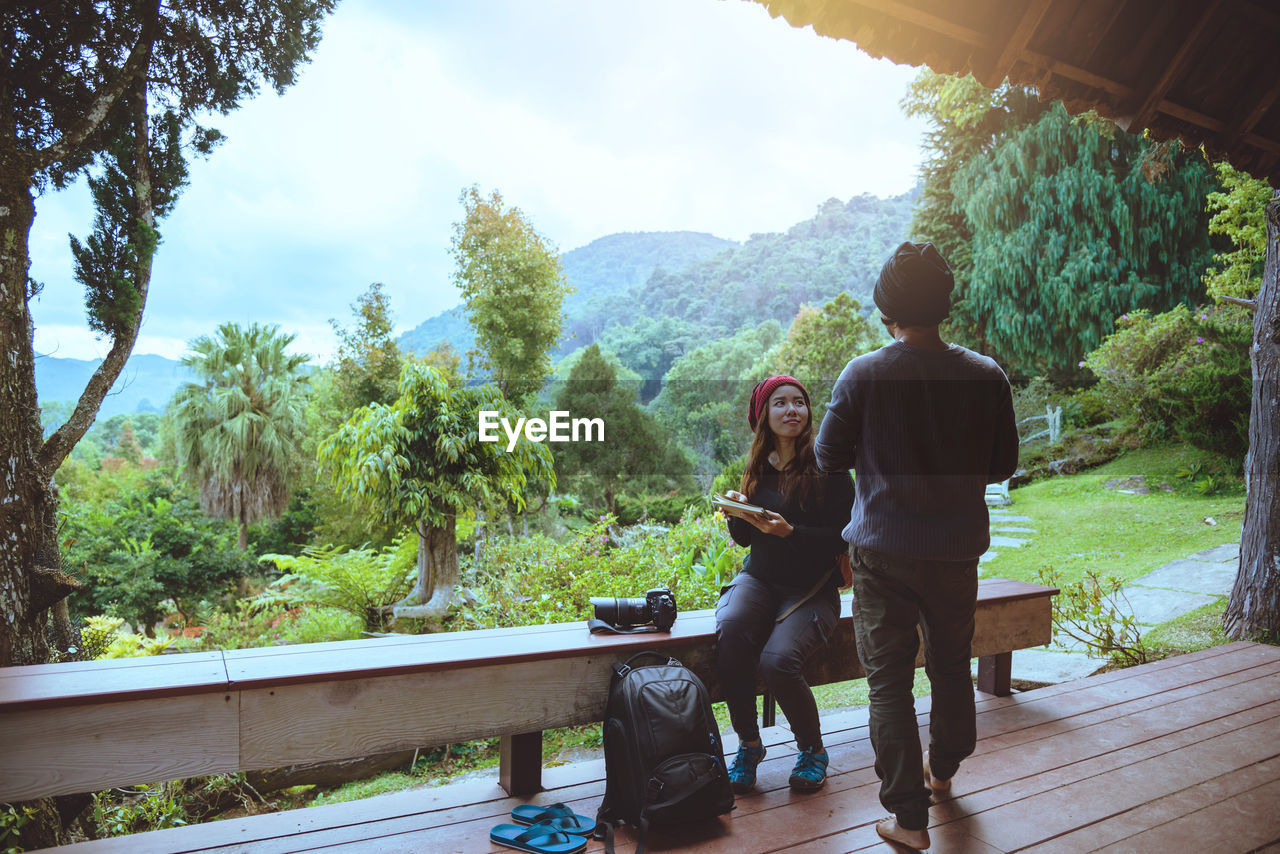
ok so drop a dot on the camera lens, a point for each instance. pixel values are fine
(621, 612)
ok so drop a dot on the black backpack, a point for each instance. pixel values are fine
(663, 758)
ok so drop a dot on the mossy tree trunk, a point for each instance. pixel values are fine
(1254, 607)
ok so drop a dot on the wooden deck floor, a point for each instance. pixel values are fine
(1181, 755)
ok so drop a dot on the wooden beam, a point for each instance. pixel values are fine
(1018, 41)
(1114, 10)
(1175, 67)
(1246, 122)
(927, 20)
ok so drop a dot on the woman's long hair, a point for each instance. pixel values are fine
(797, 477)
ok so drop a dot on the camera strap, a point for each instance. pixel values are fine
(599, 626)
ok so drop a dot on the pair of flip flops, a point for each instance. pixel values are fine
(544, 830)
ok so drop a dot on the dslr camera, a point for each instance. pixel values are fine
(657, 607)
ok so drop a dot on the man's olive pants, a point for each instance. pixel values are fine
(891, 595)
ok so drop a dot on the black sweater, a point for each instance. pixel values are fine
(794, 563)
(926, 431)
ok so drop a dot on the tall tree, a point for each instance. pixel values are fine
(636, 451)
(119, 86)
(419, 461)
(366, 368)
(821, 341)
(514, 289)
(237, 429)
(1055, 225)
(1254, 607)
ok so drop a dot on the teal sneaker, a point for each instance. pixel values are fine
(810, 773)
(742, 773)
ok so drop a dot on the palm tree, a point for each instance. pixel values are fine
(237, 428)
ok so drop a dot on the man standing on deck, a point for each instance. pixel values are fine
(926, 426)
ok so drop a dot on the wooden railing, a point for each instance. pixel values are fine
(85, 726)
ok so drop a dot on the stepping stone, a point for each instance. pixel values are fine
(1217, 554)
(986, 556)
(1002, 517)
(1193, 576)
(1009, 542)
(1013, 529)
(1151, 607)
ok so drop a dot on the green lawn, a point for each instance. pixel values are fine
(1081, 524)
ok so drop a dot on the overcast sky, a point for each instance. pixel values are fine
(593, 116)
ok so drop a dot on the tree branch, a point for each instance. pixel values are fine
(134, 68)
(1246, 303)
(57, 446)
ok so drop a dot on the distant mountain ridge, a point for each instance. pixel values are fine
(145, 385)
(603, 269)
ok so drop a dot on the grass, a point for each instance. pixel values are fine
(1082, 524)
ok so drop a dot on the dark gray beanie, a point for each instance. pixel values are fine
(915, 284)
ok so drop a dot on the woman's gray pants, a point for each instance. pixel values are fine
(749, 640)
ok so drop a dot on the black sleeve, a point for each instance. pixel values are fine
(822, 536)
(1004, 454)
(741, 530)
(840, 433)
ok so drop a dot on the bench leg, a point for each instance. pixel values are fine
(520, 763)
(994, 672)
(769, 714)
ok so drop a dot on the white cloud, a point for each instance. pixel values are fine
(592, 117)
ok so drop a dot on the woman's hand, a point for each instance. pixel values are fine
(770, 523)
(729, 512)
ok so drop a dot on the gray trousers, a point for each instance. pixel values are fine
(750, 641)
(891, 596)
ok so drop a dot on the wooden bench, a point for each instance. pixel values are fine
(86, 726)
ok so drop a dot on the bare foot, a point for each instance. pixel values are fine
(890, 829)
(937, 786)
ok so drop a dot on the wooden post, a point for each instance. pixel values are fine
(1254, 606)
(994, 672)
(520, 763)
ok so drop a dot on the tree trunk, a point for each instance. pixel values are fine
(30, 576)
(1254, 607)
(437, 572)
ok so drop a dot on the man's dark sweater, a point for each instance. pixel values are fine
(793, 564)
(917, 426)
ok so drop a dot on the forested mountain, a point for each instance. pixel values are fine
(598, 272)
(650, 297)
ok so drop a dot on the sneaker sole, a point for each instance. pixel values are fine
(798, 785)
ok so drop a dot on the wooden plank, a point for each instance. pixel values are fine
(62, 751)
(315, 722)
(1099, 778)
(1245, 829)
(42, 686)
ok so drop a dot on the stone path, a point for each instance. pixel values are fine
(1159, 596)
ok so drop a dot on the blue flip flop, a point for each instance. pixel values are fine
(538, 839)
(558, 816)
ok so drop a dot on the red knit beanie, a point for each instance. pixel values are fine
(760, 395)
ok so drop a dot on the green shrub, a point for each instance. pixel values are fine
(361, 582)
(1180, 374)
(531, 580)
(320, 625)
(730, 476)
(667, 509)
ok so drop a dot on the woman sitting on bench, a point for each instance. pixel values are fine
(785, 602)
